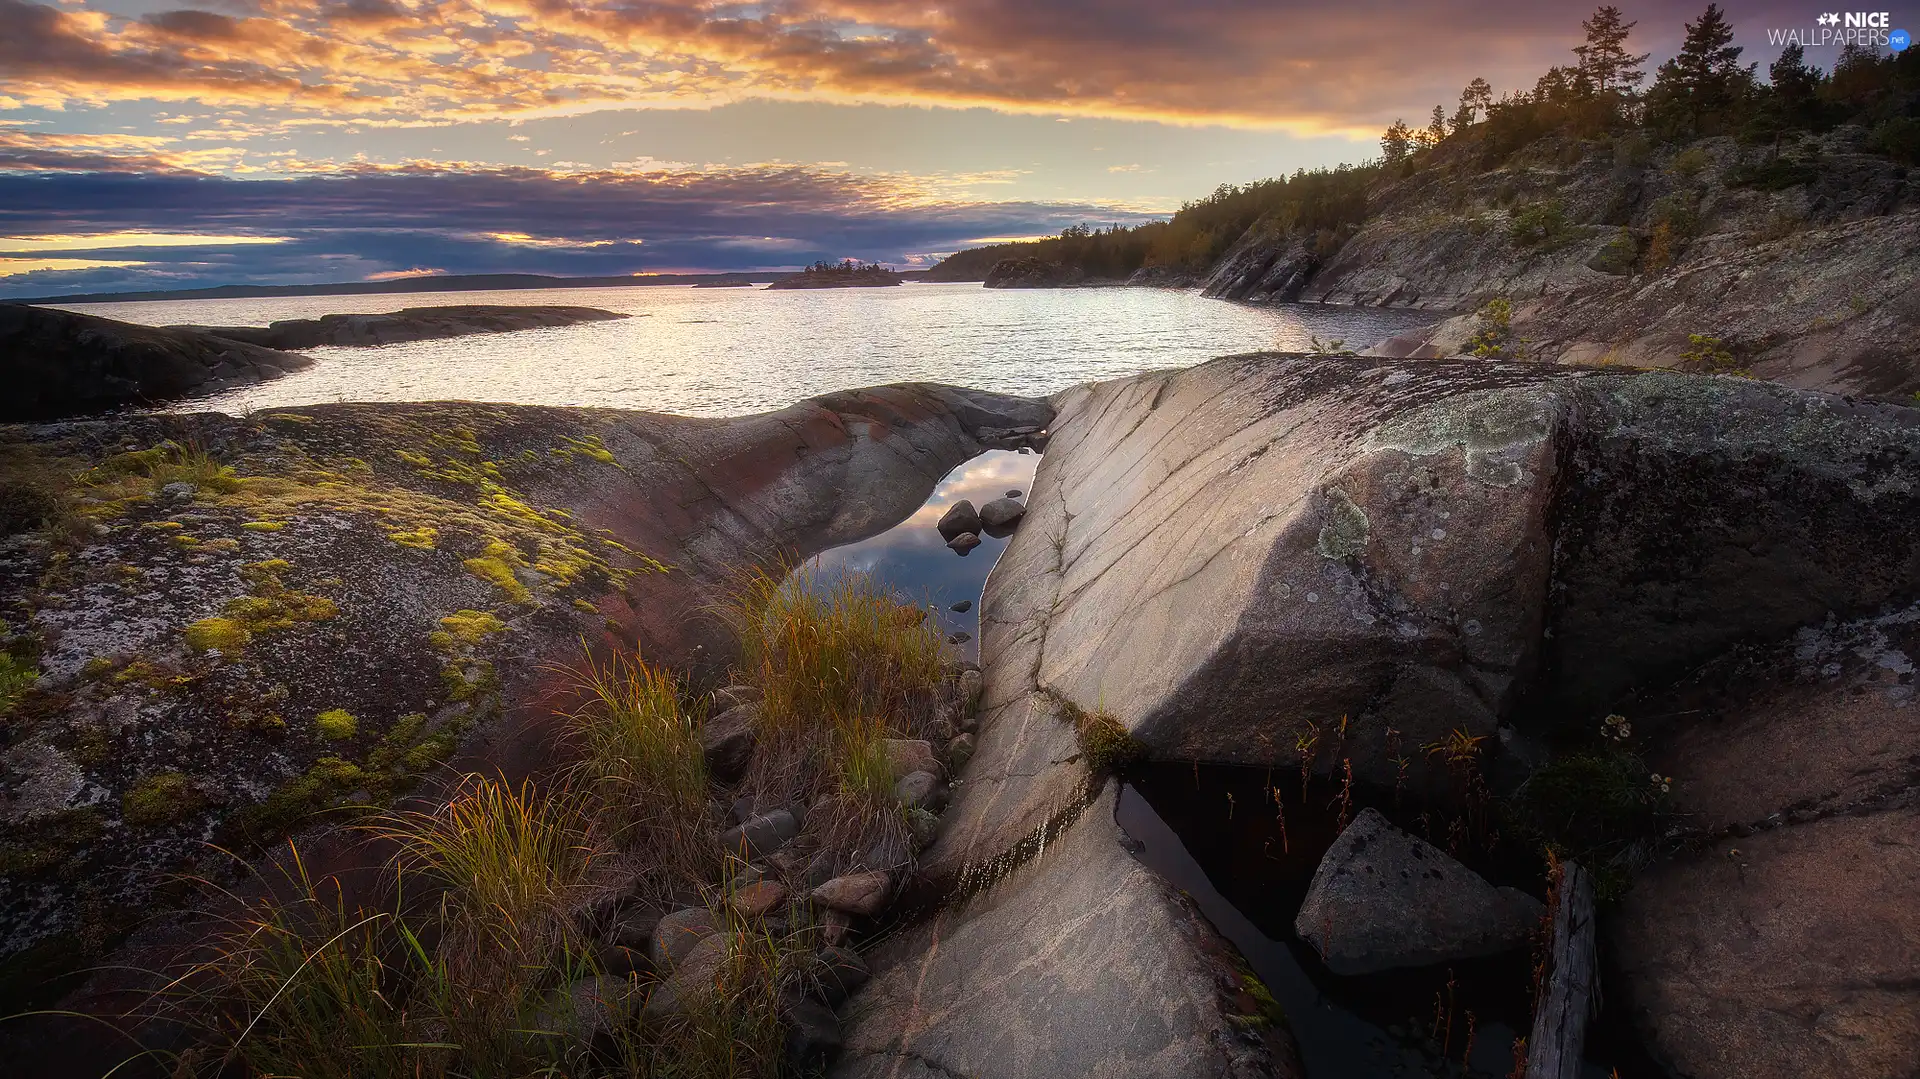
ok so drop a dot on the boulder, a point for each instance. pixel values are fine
(57, 363)
(727, 697)
(758, 899)
(865, 894)
(1015, 493)
(600, 1005)
(633, 927)
(1081, 962)
(964, 542)
(760, 835)
(960, 517)
(959, 751)
(921, 790)
(961, 607)
(908, 755)
(813, 1036)
(727, 741)
(1001, 513)
(676, 934)
(1383, 899)
(839, 974)
(1231, 555)
(697, 972)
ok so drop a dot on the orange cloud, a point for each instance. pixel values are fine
(1312, 67)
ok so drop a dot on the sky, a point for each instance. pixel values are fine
(145, 144)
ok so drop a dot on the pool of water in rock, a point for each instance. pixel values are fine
(913, 562)
(1217, 833)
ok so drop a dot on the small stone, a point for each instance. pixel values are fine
(694, 974)
(813, 1035)
(961, 637)
(179, 492)
(962, 607)
(675, 936)
(968, 688)
(761, 835)
(756, 900)
(857, 893)
(729, 697)
(959, 520)
(1013, 494)
(727, 741)
(619, 960)
(959, 751)
(908, 755)
(835, 928)
(1001, 513)
(841, 974)
(964, 542)
(745, 877)
(921, 790)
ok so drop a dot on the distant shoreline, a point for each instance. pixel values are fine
(410, 285)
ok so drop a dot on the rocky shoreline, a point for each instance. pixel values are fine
(1506, 592)
(408, 324)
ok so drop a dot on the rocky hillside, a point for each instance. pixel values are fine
(58, 363)
(217, 628)
(1792, 264)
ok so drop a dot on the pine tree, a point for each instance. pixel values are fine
(1478, 96)
(1604, 60)
(1795, 88)
(1696, 89)
(1397, 143)
(1437, 126)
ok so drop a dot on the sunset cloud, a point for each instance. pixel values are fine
(1307, 66)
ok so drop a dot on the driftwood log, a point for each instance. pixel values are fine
(1573, 981)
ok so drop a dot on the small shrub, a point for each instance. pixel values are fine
(337, 724)
(1774, 174)
(1494, 340)
(1620, 255)
(1899, 139)
(1689, 163)
(1544, 224)
(1106, 744)
(1705, 354)
(17, 676)
(26, 506)
(1594, 801)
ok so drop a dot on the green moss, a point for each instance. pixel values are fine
(336, 724)
(160, 799)
(495, 568)
(420, 539)
(298, 798)
(594, 448)
(263, 526)
(49, 842)
(223, 634)
(585, 607)
(473, 626)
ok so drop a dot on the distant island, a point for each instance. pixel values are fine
(844, 274)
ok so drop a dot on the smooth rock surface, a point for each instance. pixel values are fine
(921, 790)
(1228, 554)
(1082, 962)
(727, 741)
(676, 934)
(760, 835)
(1383, 899)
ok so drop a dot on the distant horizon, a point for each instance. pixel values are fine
(146, 146)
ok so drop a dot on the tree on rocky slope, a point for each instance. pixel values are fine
(1604, 59)
(1697, 92)
(1396, 143)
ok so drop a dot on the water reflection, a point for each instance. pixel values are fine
(913, 561)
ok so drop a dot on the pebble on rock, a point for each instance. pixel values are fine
(856, 893)
(959, 519)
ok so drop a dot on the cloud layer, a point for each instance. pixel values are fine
(1305, 64)
(354, 223)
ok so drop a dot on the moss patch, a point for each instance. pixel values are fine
(472, 626)
(217, 634)
(337, 724)
(160, 799)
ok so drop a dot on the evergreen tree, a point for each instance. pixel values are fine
(1437, 126)
(1696, 91)
(1478, 96)
(1397, 143)
(1605, 62)
(1795, 88)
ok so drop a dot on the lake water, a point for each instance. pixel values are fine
(726, 352)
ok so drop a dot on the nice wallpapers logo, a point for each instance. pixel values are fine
(1834, 29)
